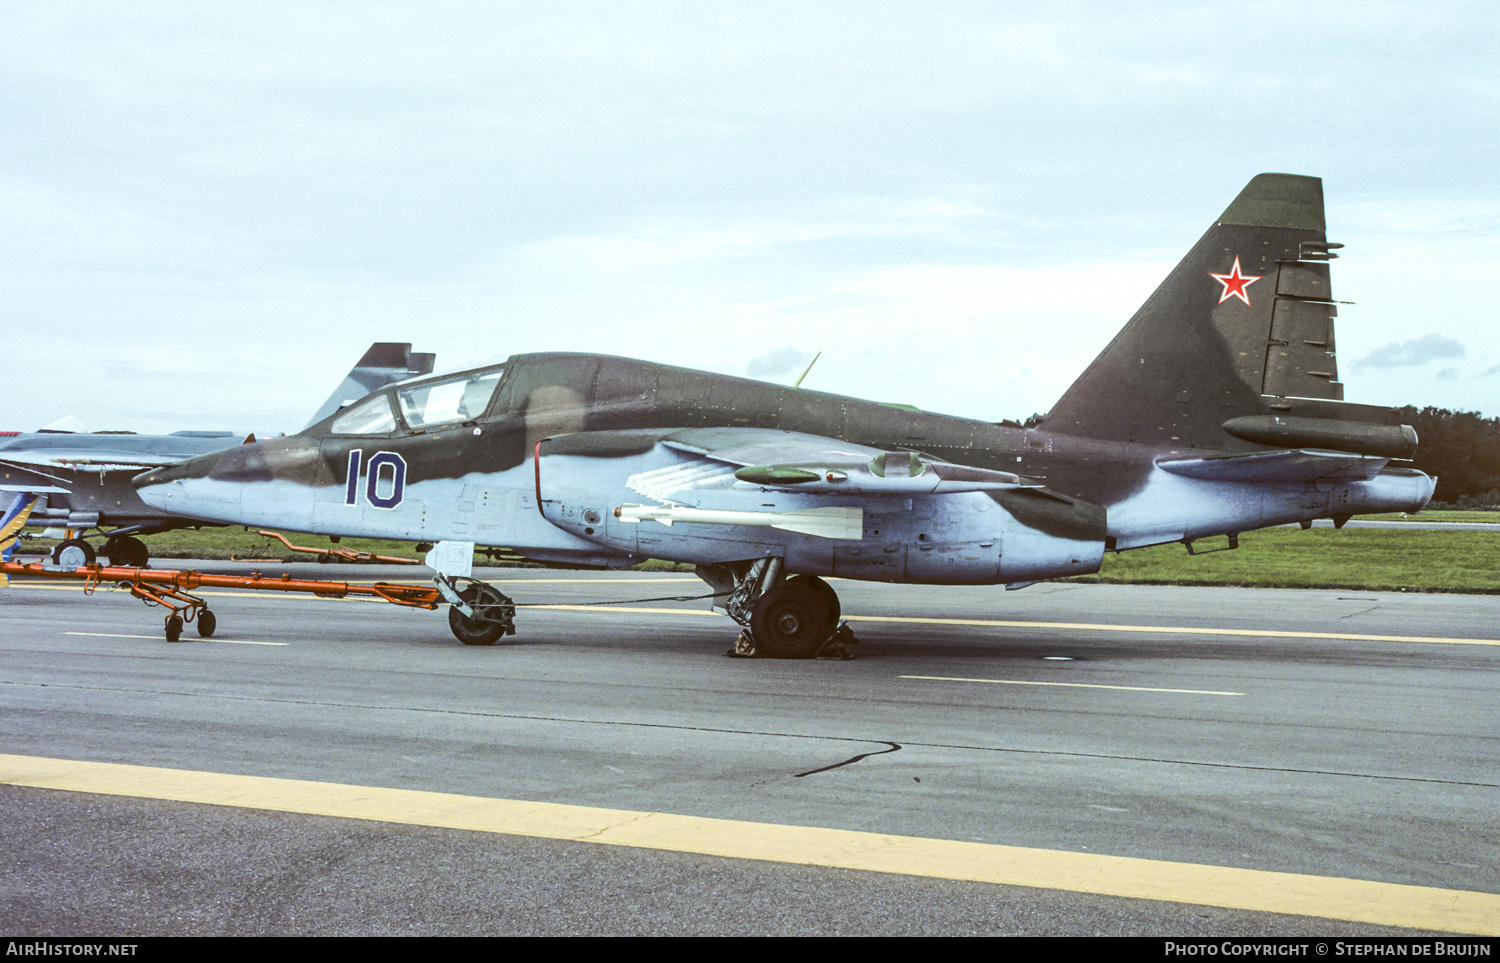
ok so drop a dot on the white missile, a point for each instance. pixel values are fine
(845, 523)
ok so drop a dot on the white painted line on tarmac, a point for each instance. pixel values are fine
(1070, 685)
(158, 637)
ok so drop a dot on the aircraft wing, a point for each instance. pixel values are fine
(724, 476)
(86, 460)
(1301, 465)
(796, 462)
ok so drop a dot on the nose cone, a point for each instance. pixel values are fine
(189, 489)
(214, 487)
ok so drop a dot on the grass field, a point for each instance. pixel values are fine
(1418, 560)
(1441, 515)
(1371, 559)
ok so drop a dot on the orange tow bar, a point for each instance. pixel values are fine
(173, 590)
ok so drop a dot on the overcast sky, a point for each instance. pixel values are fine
(210, 210)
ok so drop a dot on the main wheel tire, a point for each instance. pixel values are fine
(207, 622)
(791, 621)
(74, 553)
(835, 610)
(127, 551)
(472, 632)
(174, 628)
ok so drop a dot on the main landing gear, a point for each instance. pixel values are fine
(126, 551)
(791, 618)
(73, 553)
(123, 551)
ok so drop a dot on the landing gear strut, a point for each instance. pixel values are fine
(794, 618)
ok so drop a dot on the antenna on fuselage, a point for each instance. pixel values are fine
(798, 382)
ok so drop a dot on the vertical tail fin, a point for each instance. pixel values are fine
(18, 506)
(385, 362)
(1239, 334)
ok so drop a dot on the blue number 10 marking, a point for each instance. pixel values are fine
(376, 478)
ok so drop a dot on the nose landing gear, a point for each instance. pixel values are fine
(479, 613)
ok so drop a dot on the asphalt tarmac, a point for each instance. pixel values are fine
(1061, 760)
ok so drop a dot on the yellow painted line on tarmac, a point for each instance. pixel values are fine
(119, 635)
(1070, 685)
(1383, 904)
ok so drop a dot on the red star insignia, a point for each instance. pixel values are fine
(1235, 283)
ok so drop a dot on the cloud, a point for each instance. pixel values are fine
(1414, 352)
(782, 362)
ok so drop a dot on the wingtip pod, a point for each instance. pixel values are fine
(1291, 201)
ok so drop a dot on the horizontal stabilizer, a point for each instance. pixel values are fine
(1303, 465)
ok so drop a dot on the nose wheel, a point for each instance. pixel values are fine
(490, 615)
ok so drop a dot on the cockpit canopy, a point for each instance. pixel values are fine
(429, 403)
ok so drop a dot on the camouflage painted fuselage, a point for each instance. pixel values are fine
(479, 480)
(1216, 410)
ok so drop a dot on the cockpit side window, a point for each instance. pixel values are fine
(446, 402)
(371, 418)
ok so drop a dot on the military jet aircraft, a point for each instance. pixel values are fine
(86, 477)
(1216, 410)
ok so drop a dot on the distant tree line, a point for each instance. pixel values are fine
(1462, 448)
